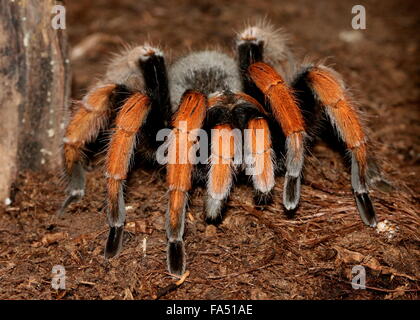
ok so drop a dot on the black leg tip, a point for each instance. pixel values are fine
(262, 199)
(176, 257)
(114, 242)
(215, 218)
(68, 201)
(291, 193)
(214, 221)
(384, 186)
(290, 213)
(366, 209)
(214, 211)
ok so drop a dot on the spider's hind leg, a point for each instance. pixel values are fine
(92, 116)
(329, 90)
(375, 177)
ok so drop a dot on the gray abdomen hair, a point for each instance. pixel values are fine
(203, 71)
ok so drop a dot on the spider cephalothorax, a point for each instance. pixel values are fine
(261, 90)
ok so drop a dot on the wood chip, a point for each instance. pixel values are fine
(53, 238)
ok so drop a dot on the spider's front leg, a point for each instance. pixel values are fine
(128, 123)
(221, 167)
(328, 88)
(91, 117)
(187, 121)
(287, 113)
(221, 171)
(259, 158)
(148, 112)
(262, 43)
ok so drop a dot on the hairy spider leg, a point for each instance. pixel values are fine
(153, 67)
(328, 88)
(221, 168)
(128, 122)
(287, 113)
(259, 158)
(90, 118)
(187, 120)
(139, 119)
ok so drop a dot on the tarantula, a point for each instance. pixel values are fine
(261, 89)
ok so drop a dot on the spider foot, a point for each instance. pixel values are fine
(262, 199)
(114, 242)
(74, 196)
(382, 185)
(366, 209)
(75, 189)
(176, 257)
(375, 178)
(214, 209)
(291, 193)
(214, 220)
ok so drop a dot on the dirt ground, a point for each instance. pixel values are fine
(252, 254)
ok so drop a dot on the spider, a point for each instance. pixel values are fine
(260, 88)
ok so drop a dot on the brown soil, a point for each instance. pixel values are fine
(252, 254)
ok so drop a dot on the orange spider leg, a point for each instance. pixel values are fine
(287, 113)
(259, 157)
(329, 90)
(89, 119)
(220, 176)
(128, 122)
(187, 121)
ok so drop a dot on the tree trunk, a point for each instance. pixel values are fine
(34, 89)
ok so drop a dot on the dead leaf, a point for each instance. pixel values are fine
(139, 226)
(356, 258)
(53, 237)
